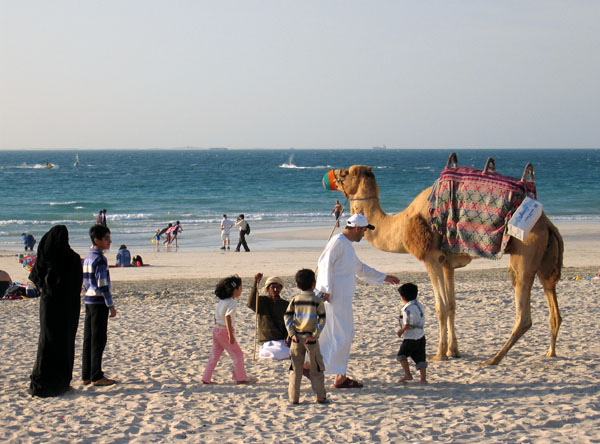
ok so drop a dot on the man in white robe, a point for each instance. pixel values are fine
(338, 268)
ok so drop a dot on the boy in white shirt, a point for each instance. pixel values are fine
(412, 323)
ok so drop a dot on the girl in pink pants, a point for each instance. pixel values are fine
(227, 290)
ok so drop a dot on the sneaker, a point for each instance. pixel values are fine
(222, 248)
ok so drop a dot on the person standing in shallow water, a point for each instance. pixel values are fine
(58, 276)
(101, 218)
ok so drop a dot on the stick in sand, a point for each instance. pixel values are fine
(255, 321)
(256, 315)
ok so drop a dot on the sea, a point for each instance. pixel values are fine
(276, 190)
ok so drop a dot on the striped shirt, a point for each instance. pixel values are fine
(305, 314)
(96, 279)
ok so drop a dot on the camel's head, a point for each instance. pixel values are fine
(349, 181)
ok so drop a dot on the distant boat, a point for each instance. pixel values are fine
(76, 160)
(48, 166)
(382, 147)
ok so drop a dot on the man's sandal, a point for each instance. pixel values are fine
(348, 383)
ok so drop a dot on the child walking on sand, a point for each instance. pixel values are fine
(227, 290)
(412, 323)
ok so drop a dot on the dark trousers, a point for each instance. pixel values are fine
(94, 341)
(242, 241)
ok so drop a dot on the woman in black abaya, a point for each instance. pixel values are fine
(58, 275)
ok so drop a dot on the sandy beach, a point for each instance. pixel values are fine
(160, 340)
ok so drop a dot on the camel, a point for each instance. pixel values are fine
(409, 231)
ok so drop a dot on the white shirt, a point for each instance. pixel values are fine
(338, 269)
(226, 225)
(225, 307)
(413, 314)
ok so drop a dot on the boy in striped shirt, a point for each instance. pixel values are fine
(98, 307)
(304, 321)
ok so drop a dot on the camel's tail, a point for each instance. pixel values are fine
(553, 257)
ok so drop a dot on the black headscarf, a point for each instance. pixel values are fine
(56, 264)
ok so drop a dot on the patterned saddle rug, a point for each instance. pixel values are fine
(470, 208)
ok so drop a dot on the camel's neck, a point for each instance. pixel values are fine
(386, 235)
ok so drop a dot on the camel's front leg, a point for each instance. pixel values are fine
(523, 322)
(452, 351)
(436, 275)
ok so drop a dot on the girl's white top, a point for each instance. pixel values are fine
(224, 307)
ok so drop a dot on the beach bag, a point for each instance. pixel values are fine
(247, 232)
(137, 261)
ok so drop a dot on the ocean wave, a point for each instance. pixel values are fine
(296, 167)
(71, 202)
(126, 216)
(576, 218)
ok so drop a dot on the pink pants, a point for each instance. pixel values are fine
(220, 343)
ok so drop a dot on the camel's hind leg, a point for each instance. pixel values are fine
(523, 321)
(549, 274)
(554, 319)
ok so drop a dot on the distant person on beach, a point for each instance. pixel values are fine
(412, 323)
(338, 268)
(98, 307)
(167, 232)
(337, 212)
(123, 257)
(156, 237)
(304, 320)
(57, 274)
(243, 226)
(227, 290)
(175, 230)
(101, 218)
(28, 241)
(271, 309)
(226, 225)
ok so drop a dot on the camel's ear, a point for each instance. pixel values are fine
(354, 170)
(359, 170)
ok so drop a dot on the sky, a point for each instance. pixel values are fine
(305, 74)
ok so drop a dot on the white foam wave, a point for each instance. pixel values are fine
(296, 167)
(126, 216)
(59, 203)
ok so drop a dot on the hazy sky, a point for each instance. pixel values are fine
(305, 74)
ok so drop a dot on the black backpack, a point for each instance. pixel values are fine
(247, 228)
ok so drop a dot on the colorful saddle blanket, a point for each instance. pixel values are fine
(471, 208)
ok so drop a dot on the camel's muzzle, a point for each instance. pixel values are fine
(329, 182)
